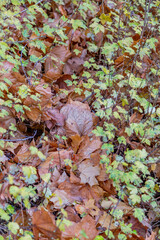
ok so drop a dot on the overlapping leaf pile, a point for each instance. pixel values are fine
(79, 120)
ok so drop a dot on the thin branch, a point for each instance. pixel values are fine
(22, 63)
(20, 139)
(25, 40)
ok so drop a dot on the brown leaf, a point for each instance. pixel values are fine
(22, 218)
(152, 236)
(78, 118)
(76, 140)
(54, 159)
(62, 10)
(55, 62)
(55, 116)
(61, 199)
(140, 227)
(74, 191)
(92, 209)
(121, 206)
(135, 118)
(6, 121)
(106, 221)
(34, 114)
(87, 147)
(23, 154)
(72, 214)
(87, 224)
(88, 173)
(44, 222)
(73, 178)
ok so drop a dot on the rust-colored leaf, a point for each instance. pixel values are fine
(44, 222)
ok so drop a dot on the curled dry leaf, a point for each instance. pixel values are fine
(88, 173)
(78, 118)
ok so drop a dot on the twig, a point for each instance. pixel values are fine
(25, 40)
(88, 97)
(112, 217)
(20, 139)
(22, 63)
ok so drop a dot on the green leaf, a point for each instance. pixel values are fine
(99, 238)
(135, 199)
(4, 215)
(16, 2)
(139, 213)
(76, 23)
(34, 59)
(122, 236)
(18, 108)
(46, 177)
(28, 171)
(26, 237)
(13, 227)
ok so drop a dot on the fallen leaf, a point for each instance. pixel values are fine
(72, 214)
(88, 173)
(55, 116)
(55, 62)
(87, 147)
(135, 118)
(78, 118)
(152, 236)
(55, 159)
(106, 220)
(86, 225)
(121, 206)
(61, 199)
(34, 114)
(43, 222)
